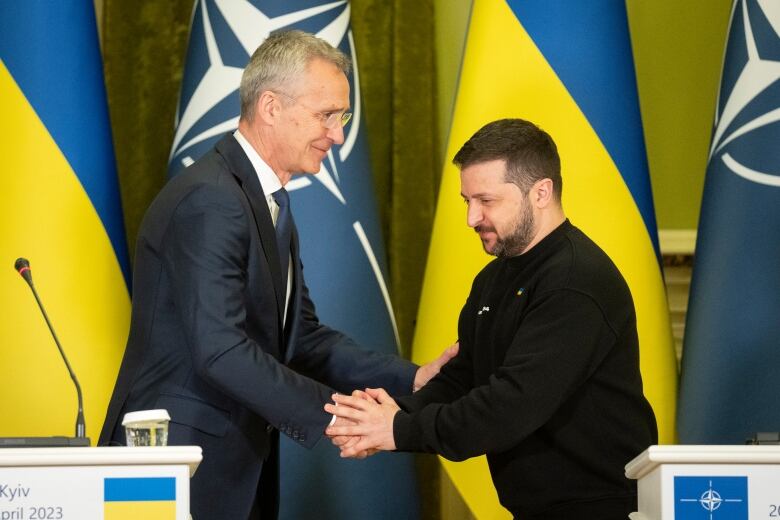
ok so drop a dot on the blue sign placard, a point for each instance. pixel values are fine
(711, 498)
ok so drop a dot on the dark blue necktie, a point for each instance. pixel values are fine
(283, 230)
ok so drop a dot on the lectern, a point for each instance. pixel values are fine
(97, 483)
(707, 482)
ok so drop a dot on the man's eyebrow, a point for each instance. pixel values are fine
(479, 195)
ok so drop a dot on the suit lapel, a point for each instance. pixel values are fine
(242, 169)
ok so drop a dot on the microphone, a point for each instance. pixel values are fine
(23, 268)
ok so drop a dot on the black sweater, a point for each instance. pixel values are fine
(546, 383)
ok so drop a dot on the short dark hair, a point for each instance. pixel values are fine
(529, 152)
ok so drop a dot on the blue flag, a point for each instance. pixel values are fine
(730, 386)
(341, 244)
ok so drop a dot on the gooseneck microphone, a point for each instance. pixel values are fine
(23, 267)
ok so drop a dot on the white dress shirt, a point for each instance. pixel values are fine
(270, 184)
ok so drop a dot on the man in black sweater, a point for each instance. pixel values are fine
(547, 381)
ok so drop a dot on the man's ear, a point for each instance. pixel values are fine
(542, 192)
(267, 107)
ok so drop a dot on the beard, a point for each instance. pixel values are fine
(515, 242)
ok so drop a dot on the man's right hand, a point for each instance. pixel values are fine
(344, 442)
(370, 420)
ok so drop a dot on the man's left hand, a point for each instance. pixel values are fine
(427, 372)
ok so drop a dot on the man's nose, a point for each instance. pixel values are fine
(336, 134)
(473, 214)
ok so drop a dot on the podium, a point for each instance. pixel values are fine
(97, 483)
(707, 482)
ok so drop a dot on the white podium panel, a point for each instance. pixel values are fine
(96, 483)
(707, 482)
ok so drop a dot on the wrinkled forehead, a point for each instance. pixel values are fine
(485, 171)
(321, 80)
(484, 177)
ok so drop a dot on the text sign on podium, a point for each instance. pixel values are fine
(96, 483)
(707, 482)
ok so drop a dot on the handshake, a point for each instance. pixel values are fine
(364, 420)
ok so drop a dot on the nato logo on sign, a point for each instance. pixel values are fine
(710, 498)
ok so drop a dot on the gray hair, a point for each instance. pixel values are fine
(280, 60)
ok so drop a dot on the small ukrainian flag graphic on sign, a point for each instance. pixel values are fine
(152, 498)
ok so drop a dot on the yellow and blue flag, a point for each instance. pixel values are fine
(133, 498)
(341, 243)
(729, 384)
(568, 67)
(60, 209)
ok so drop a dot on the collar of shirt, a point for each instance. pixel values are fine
(270, 183)
(268, 179)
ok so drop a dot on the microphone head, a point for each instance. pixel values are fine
(22, 266)
(20, 263)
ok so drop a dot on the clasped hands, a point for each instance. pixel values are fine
(364, 420)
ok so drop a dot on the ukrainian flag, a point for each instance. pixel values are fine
(60, 209)
(150, 498)
(567, 66)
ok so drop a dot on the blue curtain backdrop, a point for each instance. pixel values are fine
(730, 386)
(341, 244)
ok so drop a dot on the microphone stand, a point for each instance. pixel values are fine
(81, 428)
(81, 439)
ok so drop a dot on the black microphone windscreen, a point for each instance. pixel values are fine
(21, 263)
(23, 268)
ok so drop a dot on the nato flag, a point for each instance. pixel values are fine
(341, 245)
(730, 385)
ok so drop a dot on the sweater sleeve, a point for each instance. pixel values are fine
(558, 345)
(454, 380)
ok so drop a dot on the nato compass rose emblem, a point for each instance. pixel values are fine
(747, 121)
(697, 498)
(224, 34)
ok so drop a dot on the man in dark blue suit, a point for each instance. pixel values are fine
(223, 333)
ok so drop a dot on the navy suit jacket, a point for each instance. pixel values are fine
(207, 340)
